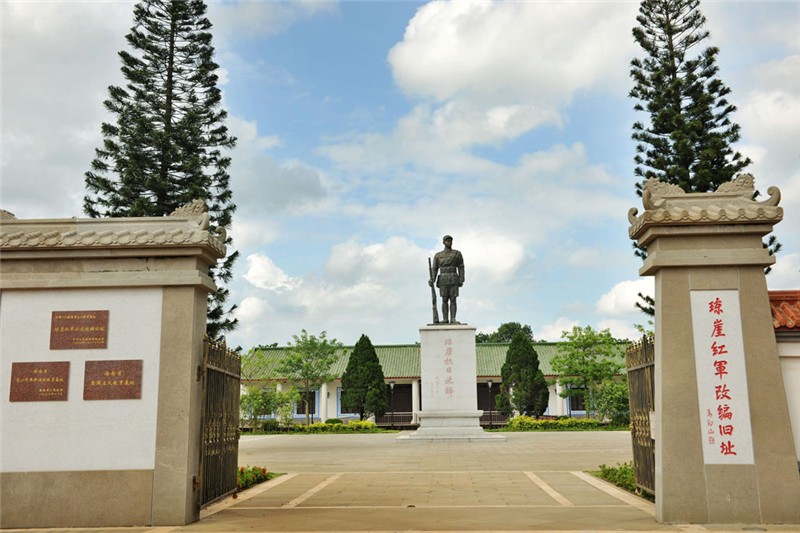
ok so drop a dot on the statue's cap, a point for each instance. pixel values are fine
(447, 237)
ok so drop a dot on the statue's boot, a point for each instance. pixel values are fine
(453, 311)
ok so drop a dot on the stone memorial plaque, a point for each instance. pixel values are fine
(79, 330)
(39, 382)
(113, 380)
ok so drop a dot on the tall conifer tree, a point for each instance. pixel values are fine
(688, 139)
(363, 381)
(524, 387)
(689, 136)
(166, 146)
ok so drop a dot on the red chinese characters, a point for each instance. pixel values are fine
(721, 374)
(448, 368)
(722, 392)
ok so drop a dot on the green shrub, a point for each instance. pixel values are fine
(270, 425)
(622, 476)
(612, 402)
(337, 426)
(527, 423)
(334, 421)
(316, 427)
(362, 425)
(247, 476)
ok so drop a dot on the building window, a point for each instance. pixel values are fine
(300, 406)
(339, 408)
(576, 404)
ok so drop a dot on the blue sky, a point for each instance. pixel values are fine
(367, 130)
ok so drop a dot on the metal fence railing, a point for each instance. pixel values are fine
(221, 374)
(640, 363)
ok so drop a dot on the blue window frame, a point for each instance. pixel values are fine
(300, 407)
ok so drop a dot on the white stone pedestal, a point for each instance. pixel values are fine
(449, 386)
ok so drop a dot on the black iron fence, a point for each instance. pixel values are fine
(398, 419)
(640, 362)
(493, 419)
(221, 374)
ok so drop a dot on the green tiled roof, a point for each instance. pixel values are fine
(397, 361)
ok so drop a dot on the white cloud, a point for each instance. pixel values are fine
(263, 273)
(770, 118)
(620, 329)
(264, 185)
(251, 309)
(426, 137)
(495, 70)
(622, 298)
(505, 51)
(386, 263)
(249, 234)
(750, 22)
(551, 190)
(53, 104)
(252, 19)
(363, 286)
(585, 257)
(785, 274)
(490, 255)
(552, 332)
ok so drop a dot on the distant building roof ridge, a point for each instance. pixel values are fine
(785, 308)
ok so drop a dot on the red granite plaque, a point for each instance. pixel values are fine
(113, 380)
(39, 382)
(79, 330)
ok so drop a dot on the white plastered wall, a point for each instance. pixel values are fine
(79, 435)
(789, 353)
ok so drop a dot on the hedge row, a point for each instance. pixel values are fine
(527, 423)
(356, 426)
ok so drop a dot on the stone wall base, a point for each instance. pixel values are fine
(107, 498)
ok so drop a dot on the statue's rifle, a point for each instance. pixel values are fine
(433, 292)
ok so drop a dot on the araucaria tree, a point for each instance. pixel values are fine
(585, 361)
(166, 145)
(364, 388)
(524, 388)
(688, 139)
(308, 364)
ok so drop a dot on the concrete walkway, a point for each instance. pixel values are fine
(530, 482)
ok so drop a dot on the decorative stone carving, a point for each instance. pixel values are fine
(197, 210)
(110, 233)
(733, 201)
(743, 183)
(194, 208)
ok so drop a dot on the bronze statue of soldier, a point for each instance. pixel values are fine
(449, 265)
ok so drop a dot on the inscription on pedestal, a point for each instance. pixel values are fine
(724, 403)
(79, 330)
(113, 380)
(39, 382)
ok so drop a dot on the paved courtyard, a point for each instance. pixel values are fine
(530, 482)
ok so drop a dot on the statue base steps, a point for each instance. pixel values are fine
(450, 425)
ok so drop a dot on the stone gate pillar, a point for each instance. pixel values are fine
(101, 337)
(724, 446)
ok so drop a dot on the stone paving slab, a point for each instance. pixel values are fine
(499, 518)
(338, 483)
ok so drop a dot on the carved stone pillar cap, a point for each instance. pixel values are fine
(732, 202)
(187, 226)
